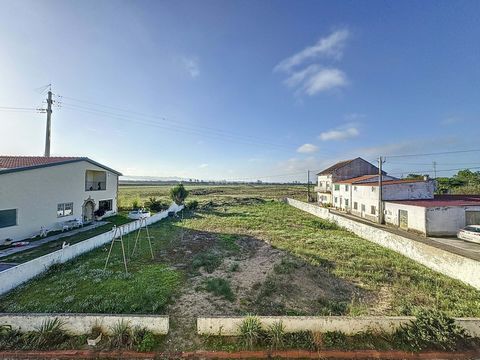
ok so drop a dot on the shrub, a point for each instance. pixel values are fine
(178, 194)
(432, 330)
(50, 334)
(136, 204)
(300, 340)
(121, 336)
(143, 339)
(192, 205)
(334, 340)
(220, 287)
(209, 261)
(156, 205)
(250, 331)
(276, 334)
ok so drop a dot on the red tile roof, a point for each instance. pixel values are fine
(359, 178)
(443, 200)
(12, 162)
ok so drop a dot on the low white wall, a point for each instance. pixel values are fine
(78, 324)
(447, 220)
(453, 265)
(229, 326)
(11, 278)
(416, 217)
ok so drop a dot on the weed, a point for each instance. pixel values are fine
(250, 331)
(143, 339)
(334, 340)
(432, 330)
(285, 266)
(156, 205)
(121, 336)
(300, 340)
(276, 334)
(191, 205)
(220, 287)
(208, 260)
(234, 267)
(49, 334)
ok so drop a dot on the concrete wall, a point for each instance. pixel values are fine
(416, 216)
(11, 278)
(79, 324)
(453, 265)
(36, 193)
(229, 326)
(446, 220)
(409, 191)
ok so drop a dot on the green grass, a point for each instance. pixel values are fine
(391, 284)
(220, 287)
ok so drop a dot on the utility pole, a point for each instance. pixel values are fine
(49, 120)
(380, 191)
(435, 170)
(308, 186)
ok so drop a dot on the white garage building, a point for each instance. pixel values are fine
(443, 215)
(38, 192)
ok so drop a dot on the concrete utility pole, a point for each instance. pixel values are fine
(380, 191)
(435, 170)
(308, 185)
(49, 120)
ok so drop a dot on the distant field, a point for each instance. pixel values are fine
(203, 193)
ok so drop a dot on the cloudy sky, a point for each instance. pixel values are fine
(243, 89)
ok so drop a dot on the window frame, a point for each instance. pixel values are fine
(106, 200)
(16, 219)
(61, 213)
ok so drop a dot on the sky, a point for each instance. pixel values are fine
(243, 90)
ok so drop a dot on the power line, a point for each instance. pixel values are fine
(431, 170)
(7, 108)
(435, 153)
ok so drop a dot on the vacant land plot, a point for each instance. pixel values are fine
(243, 255)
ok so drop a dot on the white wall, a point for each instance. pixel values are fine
(446, 220)
(447, 263)
(11, 278)
(36, 193)
(416, 216)
(410, 191)
(350, 325)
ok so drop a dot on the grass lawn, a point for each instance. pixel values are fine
(324, 269)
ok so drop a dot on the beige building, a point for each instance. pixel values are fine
(45, 192)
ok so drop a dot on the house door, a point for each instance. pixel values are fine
(403, 219)
(88, 209)
(472, 217)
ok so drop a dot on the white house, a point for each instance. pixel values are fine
(360, 196)
(38, 192)
(340, 171)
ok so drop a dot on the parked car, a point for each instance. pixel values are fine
(470, 233)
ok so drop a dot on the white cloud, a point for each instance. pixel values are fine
(343, 133)
(307, 148)
(191, 65)
(324, 79)
(329, 46)
(203, 166)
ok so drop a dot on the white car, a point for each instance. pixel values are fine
(470, 233)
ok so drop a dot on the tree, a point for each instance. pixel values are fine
(178, 194)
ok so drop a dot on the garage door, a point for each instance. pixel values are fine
(403, 217)
(472, 217)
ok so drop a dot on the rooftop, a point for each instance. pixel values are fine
(443, 200)
(334, 167)
(10, 164)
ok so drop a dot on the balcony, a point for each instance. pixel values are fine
(95, 185)
(322, 189)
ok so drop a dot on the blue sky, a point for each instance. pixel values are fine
(243, 89)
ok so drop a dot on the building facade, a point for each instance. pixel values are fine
(340, 171)
(44, 192)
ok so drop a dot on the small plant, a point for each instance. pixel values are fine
(121, 335)
(192, 205)
(432, 330)
(334, 340)
(136, 204)
(234, 267)
(228, 242)
(220, 287)
(143, 339)
(178, 194)
(156, 205)
(300, 340)
(50, 334)
(209, 261)
(250, 331)
(276, 334)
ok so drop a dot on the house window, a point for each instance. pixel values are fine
(65, 209)
(355, 205)
(105, 205)
(346, 202)
(8, 218)
(336, 199)
(363, 207)
(337, 187)
(320, 183)
(373, 210)
(346, 187)
(95, 180)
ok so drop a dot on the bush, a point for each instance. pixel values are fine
(156, 205)
(209, 261)
(121, 336)
(99, 212)
(276, 334)
(192, 205)
(251, 331)
(220, 287)
(136, 204)
(334, 340)
(50, 334)
(178, 194)
(432, 330)
(143, 339)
